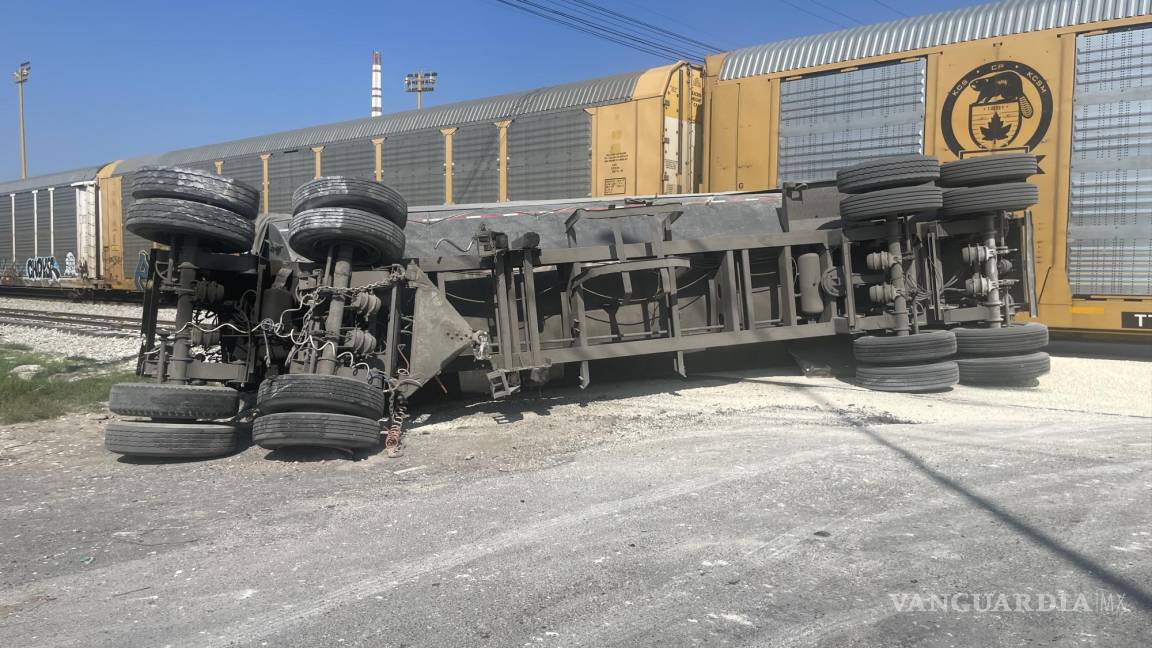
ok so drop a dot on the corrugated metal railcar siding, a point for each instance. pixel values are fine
(7, 255)
(1110, 210)
(834, 120)
(64, 201)
(43, 224)
(133, 245)
(550, 156)
(919, 32)
(247, 169)
(356, 158)
(286, 171)
(475, 173)
(24, 233)
(414, 166)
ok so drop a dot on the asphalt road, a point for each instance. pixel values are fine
(739, 509)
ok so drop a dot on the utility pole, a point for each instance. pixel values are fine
(420, 82)
(21, 77)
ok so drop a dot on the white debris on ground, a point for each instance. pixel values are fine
(63, 343)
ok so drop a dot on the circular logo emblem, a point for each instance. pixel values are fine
(1003, 105)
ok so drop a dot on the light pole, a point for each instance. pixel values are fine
(20, 76)
(420, 82)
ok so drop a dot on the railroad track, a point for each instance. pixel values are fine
(83, 323)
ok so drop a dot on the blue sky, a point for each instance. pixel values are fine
(116, 78)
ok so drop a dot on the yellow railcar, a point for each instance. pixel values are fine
(1068, 81)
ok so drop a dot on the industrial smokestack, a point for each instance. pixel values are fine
(376, 108)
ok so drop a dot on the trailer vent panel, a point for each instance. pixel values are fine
(838, 119)
(1110, 207)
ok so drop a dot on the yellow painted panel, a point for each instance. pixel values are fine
(111, 231)
(614, 150)
(754, 129)
(649, 146)
(724, 109)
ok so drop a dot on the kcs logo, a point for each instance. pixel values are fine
(999, 106)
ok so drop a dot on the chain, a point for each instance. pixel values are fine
(392, 279)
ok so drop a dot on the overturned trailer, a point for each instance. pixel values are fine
(338, 313)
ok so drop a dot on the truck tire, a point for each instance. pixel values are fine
(922, 347)
(908, 378)
(891, 202)
(197, 186)
(1004, 370)
(338, 431)
(320, 393)
(373, 240)
(150, 439)
(356, 193)
(1009, 196)
(169, 401)
(1006, 340)
(989, 169)
(163, 219)
(887, 172)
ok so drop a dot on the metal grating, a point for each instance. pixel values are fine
(919, 32)
(7, 256)
(249, 170)
(64, 205)
(287, 170)
(550, 156)
(43, 224)
(833, 120)
(1110, 206)
(24, 230)
(355, 158)
(414, 166)
(476, 170)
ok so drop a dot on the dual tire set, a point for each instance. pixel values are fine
(919, 185)
(365, 219)
(170, 206)
(936, 360)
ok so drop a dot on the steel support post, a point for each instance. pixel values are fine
(341, 279)
(896, 277)
(992, 300)
(182, 339)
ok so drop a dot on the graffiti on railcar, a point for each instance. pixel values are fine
(48, 268)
